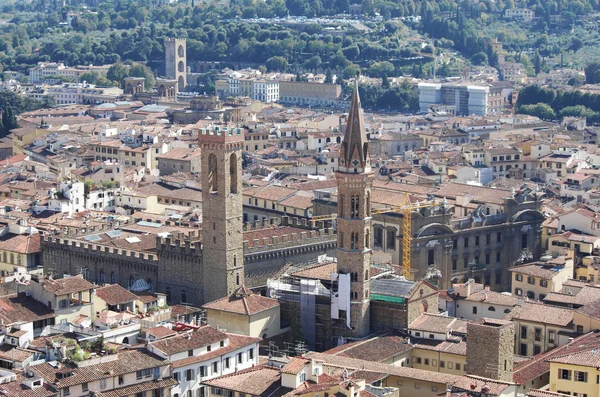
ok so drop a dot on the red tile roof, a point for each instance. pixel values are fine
(235, 342)
(243, 301)
(22, 308)
(115, 294)
(65, 286)
(198, 338)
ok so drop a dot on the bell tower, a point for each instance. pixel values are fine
(222, 237)
(354, 181)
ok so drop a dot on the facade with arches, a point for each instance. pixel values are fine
(176, 61)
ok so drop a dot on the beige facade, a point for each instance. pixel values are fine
(303, 93)
(576, 380)
(536, 280)
(264, 324)
(439, 361)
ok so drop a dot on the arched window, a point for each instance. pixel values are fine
(531, 294)
(183, 296)
(491, 309)
(233, 180)
(113, 278)
(341, 206)
(131, 281)
(341, 239)
(352, 214)
(101, 276)
(368, 204)
(506, 310)
(356, 207)
(180, 67)
(366, 274)
(237, 279)
(368, 239)
(354, 242)
(212, 174)
(180, 51)
(168, 294)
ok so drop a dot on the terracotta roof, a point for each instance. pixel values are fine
(243, 301)
(139, 388)
(375, 349)
(200, 337)
(493, 298)
(22, 308)
(160, 332)
(146, 297)
(16, 388)
(20, 243)
(295, 365)
(182, 310)
(537, 269)
(428, 322)
(540, 313)
(319, 272)
(180, 154)
(458, 347)
(258, 381)
(403, 372)
(65, 286)
(128, 361)
(11, 353)
(587, 295)
(115, 294)
(235, 342)
(586, 358)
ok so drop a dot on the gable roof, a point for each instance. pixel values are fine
(115, 294)
(243, 301)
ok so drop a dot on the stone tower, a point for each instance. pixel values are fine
(176, 61)
(354, 181)
(222, 239)
(490, 348)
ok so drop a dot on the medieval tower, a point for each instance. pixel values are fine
(222, 239)
(497, 339)
(354, 180)
(175, 61)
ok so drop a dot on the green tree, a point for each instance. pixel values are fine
(141, 70)
(379, 69)
(328, 77)
(537, 62)
(541, 110)
(277, 64)
(385, 82)
(479, 58)
(118, 72)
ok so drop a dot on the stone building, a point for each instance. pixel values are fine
(176, 61)
(468, 231)
(497, 339)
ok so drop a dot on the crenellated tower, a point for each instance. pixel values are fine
(354, 181)
(222, 223)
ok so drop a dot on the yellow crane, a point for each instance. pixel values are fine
(406, 210)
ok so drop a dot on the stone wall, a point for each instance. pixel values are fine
(496, 339)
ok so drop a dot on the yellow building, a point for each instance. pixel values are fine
(588, 269)
(536, 280)
(245, 313)
(304, 93)
(576, 374)
(19, 250)
(24, 136)
(540, 328)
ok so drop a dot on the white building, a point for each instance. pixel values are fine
(77, 93)
(466, 99)
(265, 90)
(205, 353)
(48, 70)
(68, 198)
(523, 14)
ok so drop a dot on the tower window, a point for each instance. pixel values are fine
(237, 279)
(233, 182)
(212, 174)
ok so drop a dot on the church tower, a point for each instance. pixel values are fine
(175, 61)
(222, 237)
(354, 181)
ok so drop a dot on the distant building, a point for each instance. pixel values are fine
(468, 99)
(522, 14)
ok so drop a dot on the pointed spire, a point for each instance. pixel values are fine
(355, 147)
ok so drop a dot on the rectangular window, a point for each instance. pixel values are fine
(189, 374)
(538, 334)
(102, 384)
(454, 264)
(530, 280)
(215, 367)
(450, 365)
(457, 366)
(418, 360)
(551, 335)
(543, 283)
(536, 350)
(476, 241)
(564, 374)
(442, 364)
(121, 379)
(523, 350)
(488, 238)
(85, 386)
(430, 257)
(227, 362)
(239, 358)
(580, 376)
(426, 361)
(139, 374)
(175, 376)
(66, 391)
(251, 354)
(474, 309)
(190, 353)
(498, 258)
(523, 332)
(498, 237)
(466, 242)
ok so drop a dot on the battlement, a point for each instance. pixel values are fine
(291, 221)
(49, 240)
(91, 229)
(175, 39)
(181, 243)
(221, 134)
(276, 241)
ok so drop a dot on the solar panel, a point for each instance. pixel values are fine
(92, 237)
(114, 233)
(391, 287)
